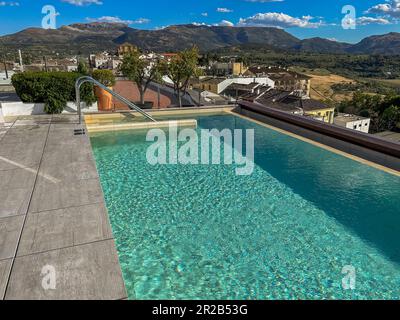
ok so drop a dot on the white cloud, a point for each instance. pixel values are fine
(225, 23)
(110, 19)
(81, 3)
(224, 10)
(279, 20)
(9, 4)
(205, 14)
(389, 9)
(369, 20)
(141, 21)
(199, 24)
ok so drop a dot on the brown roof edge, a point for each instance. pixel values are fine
(348, 135)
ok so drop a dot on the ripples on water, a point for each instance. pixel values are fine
(285, 232)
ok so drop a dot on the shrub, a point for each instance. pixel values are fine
(105, 77)
(54, 103)
(54, 89)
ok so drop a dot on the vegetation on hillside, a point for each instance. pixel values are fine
(347, 65)
(384, 111)
(365, 86)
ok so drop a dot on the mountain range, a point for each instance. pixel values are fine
(87, 38)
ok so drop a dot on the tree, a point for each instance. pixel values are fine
(183, 67)
(140, 71)
(384, 112)
(105, 77)
(82, 68)
(391, 117)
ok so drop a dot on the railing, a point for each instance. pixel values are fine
(84, 79)
(355, 137)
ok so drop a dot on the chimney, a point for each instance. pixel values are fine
(20, 60)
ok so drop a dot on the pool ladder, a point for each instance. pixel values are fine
(85, 79)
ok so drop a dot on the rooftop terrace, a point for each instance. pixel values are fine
(52, 213)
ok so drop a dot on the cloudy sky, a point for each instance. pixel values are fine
(304, 19)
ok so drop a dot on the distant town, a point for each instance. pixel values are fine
(356, 103)
(222, 83)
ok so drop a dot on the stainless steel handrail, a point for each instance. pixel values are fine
(84, 79)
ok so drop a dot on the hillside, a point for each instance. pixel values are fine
(206, 38)
(321, 45)
(90, 37)
(388, 44)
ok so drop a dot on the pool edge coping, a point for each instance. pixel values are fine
(320, 145)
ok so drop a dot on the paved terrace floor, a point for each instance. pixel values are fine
(52, 215)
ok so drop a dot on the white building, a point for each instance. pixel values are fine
(99, 61)
(218, 85)
(72, 68)
(353, 122)
(104, 61)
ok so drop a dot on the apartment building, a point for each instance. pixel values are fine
(104, 60)
(353, 122)
(220, 84)
(228, 68)
(126, 48)
(284, 79)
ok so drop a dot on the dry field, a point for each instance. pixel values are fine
(395, 83)
(322, 87)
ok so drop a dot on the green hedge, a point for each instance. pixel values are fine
(54, 89)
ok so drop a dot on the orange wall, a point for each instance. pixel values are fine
(130, 91)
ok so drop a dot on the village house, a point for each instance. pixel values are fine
(126, 48)
(284, 79)
(104, 60)
(228, 69)
(353, 122)
(290, 102)
(220, 85)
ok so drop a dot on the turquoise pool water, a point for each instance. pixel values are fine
(285, 232)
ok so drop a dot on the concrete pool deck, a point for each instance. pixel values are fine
(53, 219)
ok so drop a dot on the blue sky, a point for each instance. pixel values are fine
(304, 19)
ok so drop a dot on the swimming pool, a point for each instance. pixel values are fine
(284, 232)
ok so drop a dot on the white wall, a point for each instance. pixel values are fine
(358, 125)
(262, 80)
(12, 109)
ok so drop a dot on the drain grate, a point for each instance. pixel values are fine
(79, 132)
